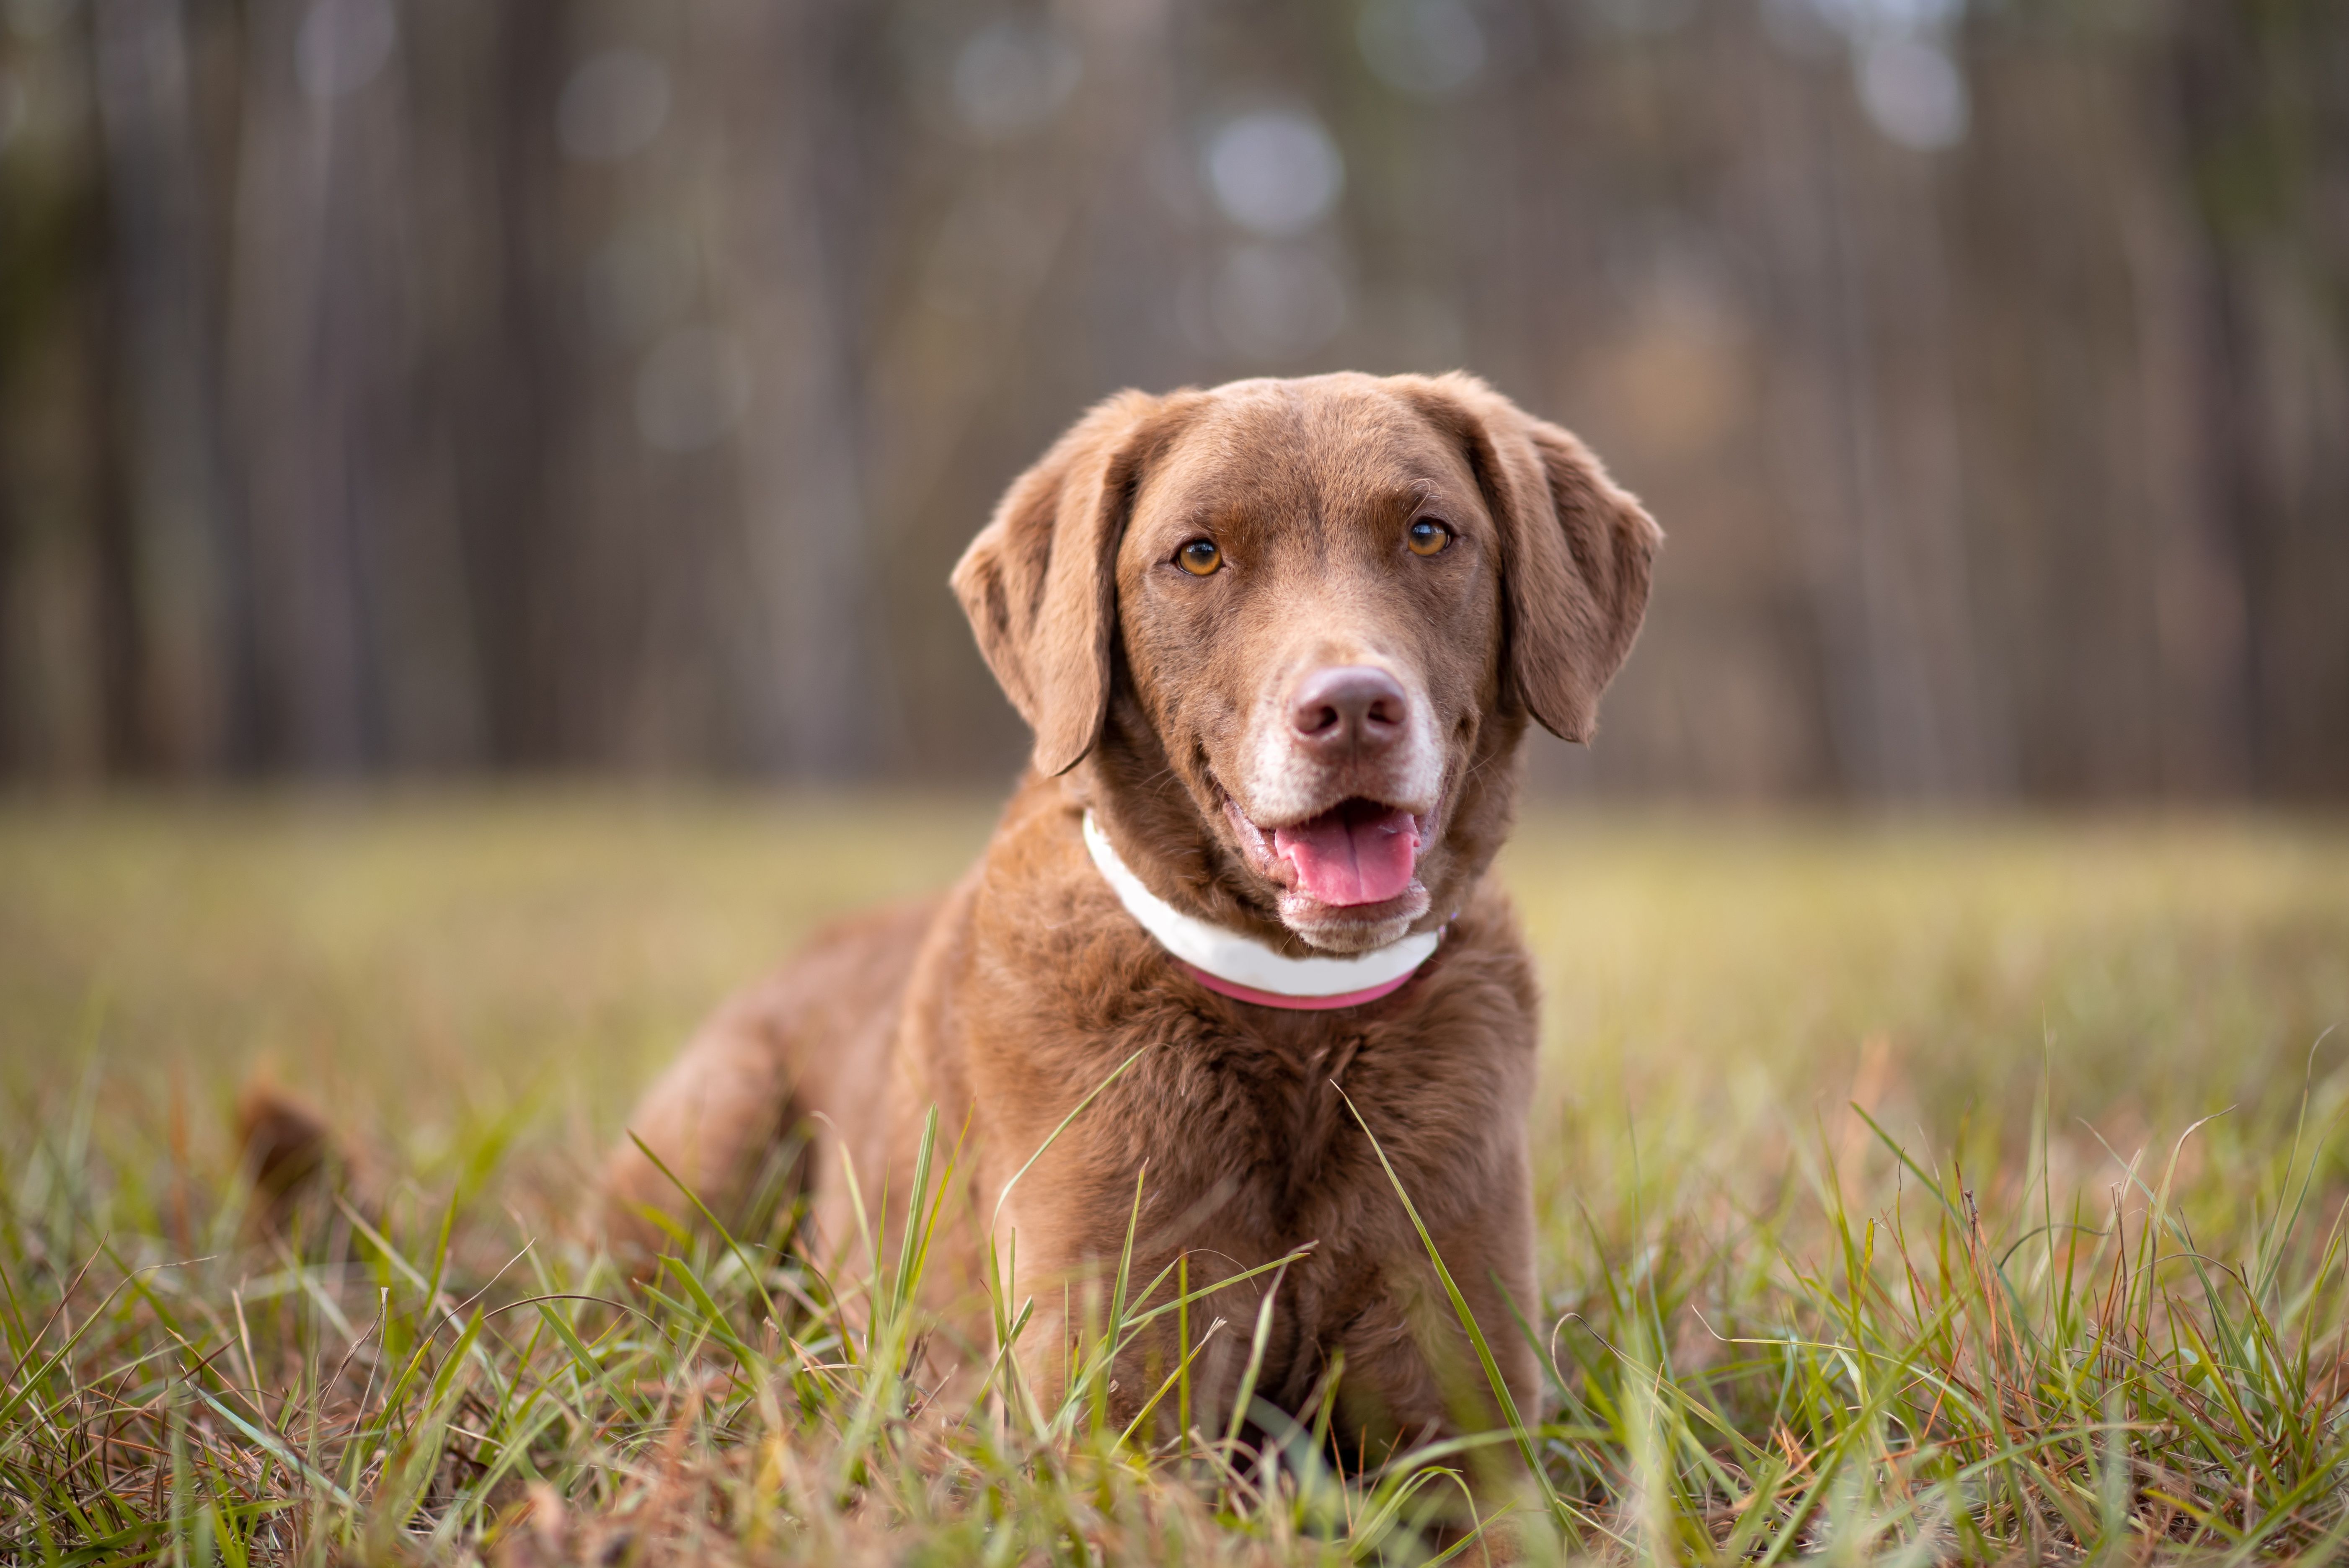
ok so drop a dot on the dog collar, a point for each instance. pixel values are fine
(1246, 970)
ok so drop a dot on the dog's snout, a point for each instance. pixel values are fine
(1349, 710)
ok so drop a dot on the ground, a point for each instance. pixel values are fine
(1934, 1189)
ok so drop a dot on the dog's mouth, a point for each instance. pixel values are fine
(1358, 852)
(1348, 871)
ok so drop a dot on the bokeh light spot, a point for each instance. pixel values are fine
(640, 281)
(1913, 92)
(1429, 49)
(342, 44)
(1012, 76)
(1273, 302)
(613, 106)
(691, 390)
(1275, 171)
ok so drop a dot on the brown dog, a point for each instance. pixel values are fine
(1278, 642)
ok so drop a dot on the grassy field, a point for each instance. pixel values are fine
(1920, 1192)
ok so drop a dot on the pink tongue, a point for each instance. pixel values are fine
(1358, 854)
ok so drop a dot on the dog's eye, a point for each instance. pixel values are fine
(1428, 537)
(1200, 557)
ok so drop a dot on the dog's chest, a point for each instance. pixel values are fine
(1262, 1127)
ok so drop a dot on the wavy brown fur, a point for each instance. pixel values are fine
(1024, 989)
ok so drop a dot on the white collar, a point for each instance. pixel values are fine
(1245, 968)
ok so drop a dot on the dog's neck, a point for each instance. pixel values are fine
(1241, 967)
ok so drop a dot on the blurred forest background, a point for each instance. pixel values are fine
(429, 386)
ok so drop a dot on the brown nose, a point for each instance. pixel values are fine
(1349, 710)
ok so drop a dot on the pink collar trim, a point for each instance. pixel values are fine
(1235, 965)
(1237, 992)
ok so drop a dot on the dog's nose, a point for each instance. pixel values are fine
(1349, 710)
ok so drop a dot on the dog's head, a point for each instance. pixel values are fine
(1298, 626)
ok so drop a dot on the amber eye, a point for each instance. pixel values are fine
(1200, 557)
(1427, 538)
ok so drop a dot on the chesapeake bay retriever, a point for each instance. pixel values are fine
(1278, 642)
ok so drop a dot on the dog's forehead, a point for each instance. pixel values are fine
(1319, 447)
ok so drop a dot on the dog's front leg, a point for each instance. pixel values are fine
(1412, 1373)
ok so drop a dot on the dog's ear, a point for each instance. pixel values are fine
(1577, 552)
(1040, 582)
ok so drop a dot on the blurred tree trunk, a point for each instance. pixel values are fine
(304, 313)
(69, 641)
(186, 594)
(800, 87)
(497, 374)
(2262, 93)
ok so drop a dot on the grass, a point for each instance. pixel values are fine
(1946, 1190)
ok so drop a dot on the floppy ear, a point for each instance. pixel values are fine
(1576, 551)
(1040, 582)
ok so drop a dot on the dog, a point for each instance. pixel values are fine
(1278, 642)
